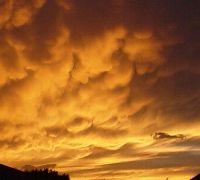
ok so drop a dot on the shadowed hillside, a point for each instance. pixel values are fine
(197, 177)
(7, 173)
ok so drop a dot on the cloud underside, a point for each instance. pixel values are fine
(100, 89)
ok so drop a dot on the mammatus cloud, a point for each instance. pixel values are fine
(18, 13)
(84, 84)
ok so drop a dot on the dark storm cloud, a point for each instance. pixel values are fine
(158, 16)
(162, 135)
(178, 97)
(175, 99)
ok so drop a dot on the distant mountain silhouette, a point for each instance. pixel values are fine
(197, 177)
(8, 173)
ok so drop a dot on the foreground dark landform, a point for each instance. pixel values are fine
(8, 173)
(197, 177)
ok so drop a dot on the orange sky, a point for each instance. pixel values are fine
(105, 89)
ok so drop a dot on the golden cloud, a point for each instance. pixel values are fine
(94, 101)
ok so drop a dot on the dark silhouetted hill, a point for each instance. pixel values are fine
(8, 173)
(197, 177)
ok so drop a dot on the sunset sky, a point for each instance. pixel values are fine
(101, 89)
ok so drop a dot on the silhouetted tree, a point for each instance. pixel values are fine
(7, 173)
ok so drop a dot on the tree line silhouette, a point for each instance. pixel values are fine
(8, 173)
